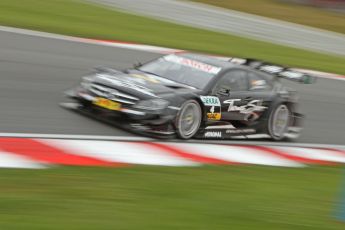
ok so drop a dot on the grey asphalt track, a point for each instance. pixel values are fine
(234, 22)
(35, 71)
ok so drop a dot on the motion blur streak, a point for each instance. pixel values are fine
(287, 156)
(234, 22)
(116, 153)
(41, 152)
(10, 160)
(188, 155)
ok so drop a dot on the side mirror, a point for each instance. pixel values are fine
(224, 91)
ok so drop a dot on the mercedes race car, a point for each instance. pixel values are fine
(194, 96)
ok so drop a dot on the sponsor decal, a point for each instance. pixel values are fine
(240, 131)
(214, 103)
(139, 126)
(193, 64)
(210, 100)
(214, 116)
(250, 107)
(213, 134)
(107, 104)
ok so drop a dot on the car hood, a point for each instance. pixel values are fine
(140, 84)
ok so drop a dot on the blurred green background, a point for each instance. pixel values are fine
(148, 197)
(92, 21)
(287, 11)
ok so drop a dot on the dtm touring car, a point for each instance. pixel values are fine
(194, 96)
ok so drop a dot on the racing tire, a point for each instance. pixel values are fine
(278, 122)
(188, 119)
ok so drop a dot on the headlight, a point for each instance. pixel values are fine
(153, 104)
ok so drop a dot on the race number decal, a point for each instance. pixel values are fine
(212, 105)
(210, 100)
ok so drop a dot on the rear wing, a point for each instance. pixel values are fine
(277, 70)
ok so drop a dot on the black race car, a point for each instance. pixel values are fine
(191, 95)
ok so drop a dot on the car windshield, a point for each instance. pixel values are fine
(182, 70)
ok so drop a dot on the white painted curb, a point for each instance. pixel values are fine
(25, 152)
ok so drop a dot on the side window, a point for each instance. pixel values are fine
(258, 82)
(234, 80)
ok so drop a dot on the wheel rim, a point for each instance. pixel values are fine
(189, 120)
(280, 121)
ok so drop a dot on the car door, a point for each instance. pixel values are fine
(232, 91)
(260, 89)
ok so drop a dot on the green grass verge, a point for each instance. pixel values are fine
(85, 20)
(210, 197)
(305, 15)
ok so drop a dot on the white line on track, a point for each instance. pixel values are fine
(78, 137)
(118, 44)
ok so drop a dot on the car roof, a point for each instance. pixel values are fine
(224, 63)
(211, 60)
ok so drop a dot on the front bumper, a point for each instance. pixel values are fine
(138, 121)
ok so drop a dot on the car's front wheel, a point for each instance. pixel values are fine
(278, 122)
(188, 119)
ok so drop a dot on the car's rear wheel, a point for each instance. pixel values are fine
(188, 119)
(278, 122)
